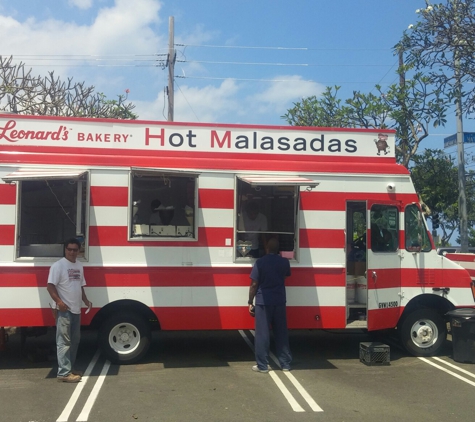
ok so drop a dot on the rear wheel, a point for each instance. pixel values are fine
(423, 332)
(124, 338)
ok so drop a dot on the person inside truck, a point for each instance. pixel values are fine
(386, 242)
(155, 216)
(376, 237)
(253, 221)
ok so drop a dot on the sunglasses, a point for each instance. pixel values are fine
(72, 249)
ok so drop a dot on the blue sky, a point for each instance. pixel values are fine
(242, 61)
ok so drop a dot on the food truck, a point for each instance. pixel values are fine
(159, 210)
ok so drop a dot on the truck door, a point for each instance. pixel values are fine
(383, 275)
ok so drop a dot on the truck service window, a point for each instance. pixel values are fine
(264, 212)
(163, 205)
(50, 210)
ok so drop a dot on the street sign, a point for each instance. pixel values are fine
(468, 138)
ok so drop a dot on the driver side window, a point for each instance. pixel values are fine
(416, 237)
(384, 228)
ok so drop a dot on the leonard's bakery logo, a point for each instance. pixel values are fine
(382, 144)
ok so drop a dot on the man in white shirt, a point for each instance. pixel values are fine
(66, 287)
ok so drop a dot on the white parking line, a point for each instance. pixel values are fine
(84, 415)
(449, 372)
(455, 367)
(287, 394)
(94, 393)
(311, 402)
(74, 398)
(64, 417)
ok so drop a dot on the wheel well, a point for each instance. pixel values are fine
(437, 303)
(123, 306)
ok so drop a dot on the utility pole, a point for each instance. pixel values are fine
(171, 67)
(463, 229)
(461, 164)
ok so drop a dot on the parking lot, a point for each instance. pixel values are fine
(207, 376)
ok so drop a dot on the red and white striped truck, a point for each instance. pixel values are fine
(160, 210)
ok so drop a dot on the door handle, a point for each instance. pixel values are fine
(375, 277)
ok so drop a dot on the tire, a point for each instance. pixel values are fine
(124, 338)
(423, 332)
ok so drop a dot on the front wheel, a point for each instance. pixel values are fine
(423, 332)
(124, 338)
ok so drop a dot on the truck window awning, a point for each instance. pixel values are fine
(269, 180)
(42, 174)
(168, 172)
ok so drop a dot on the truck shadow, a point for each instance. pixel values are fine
(311, 349)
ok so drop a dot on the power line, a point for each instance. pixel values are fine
(88, 60)
(280, 48)
(94, 60)
(189, 105)
(242, 79)
(267, 80)
(81, 56)
(244, 63)
(241, 47)
(286, 64)
(93, 65)
(159, 60)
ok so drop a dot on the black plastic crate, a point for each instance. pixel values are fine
(374, 353)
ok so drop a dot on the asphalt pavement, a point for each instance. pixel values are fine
(207, 376)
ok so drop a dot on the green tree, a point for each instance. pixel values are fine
(440, 58)
(435, 178)
(325, 111)
(408, 107)
(471, 236)
(23, 93)
(442, 45)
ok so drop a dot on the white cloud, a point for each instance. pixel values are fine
(207, 104)
(134, 28)
(230, 102)
(123, 28)
(282, 92)
(118, 34)
(81, 4)
(197, 35)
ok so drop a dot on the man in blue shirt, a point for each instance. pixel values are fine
(268, 287)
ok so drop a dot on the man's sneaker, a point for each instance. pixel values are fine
(69, 378)
(255, 368)
(76, 372)
(286, 369)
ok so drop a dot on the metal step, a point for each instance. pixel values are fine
(356, 324)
